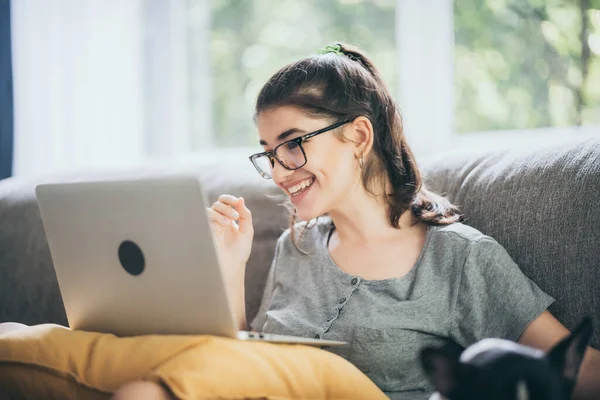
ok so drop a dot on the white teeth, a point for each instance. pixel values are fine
(300, 186)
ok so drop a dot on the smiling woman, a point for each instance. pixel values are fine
(337, 90)
(378, 261)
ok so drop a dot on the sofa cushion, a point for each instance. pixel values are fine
(51, 362)
(542, 205)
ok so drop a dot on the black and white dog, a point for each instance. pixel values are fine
(495, 369)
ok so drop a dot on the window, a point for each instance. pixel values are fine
(147, 79)
(523, 64)
(251, 40)
(496, 73)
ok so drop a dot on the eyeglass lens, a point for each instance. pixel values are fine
(290, 154)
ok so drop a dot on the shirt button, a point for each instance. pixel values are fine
(342, 300)
(353, 281)
(317, 336)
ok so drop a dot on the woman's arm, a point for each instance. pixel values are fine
(237, 296)
(545, 332)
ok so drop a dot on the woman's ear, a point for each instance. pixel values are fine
(362, 136)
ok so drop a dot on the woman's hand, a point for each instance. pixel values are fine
(233, 241)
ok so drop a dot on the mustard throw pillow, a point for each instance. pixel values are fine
(52, 362)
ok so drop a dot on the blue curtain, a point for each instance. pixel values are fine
(6, 93)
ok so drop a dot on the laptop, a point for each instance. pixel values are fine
(136, 257)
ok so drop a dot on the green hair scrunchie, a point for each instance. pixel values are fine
(332, 48)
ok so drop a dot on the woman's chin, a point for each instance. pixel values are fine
(307, 213)
(306, 206)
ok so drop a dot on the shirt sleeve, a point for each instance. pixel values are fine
(494, 298)
(261, 317)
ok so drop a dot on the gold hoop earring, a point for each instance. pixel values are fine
(361, 162)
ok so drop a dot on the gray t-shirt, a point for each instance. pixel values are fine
(464, 286)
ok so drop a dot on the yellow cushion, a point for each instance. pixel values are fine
(49, 361)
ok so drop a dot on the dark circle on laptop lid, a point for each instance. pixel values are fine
(131, 258)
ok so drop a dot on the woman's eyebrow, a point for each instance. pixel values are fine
(284, 135)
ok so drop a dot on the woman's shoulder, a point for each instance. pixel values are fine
(461, 233)
(456, 240)
(464, 243)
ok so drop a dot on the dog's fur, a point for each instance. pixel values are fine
(495, 369)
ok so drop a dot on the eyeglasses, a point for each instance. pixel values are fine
(289, 154)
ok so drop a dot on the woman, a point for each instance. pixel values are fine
(390, 268)
(384, 264)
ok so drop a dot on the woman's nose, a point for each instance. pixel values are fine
(279, 172)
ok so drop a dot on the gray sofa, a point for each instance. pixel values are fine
(542, 204)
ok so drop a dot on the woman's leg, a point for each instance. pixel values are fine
(10, 326)
(142, 390)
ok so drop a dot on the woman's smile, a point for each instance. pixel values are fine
(299, 190)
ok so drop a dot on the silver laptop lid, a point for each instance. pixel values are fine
(136, 257)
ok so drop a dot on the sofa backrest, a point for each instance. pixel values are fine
(541, 204)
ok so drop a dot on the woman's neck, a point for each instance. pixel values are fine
(363, 218)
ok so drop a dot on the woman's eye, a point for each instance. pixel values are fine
(292, 145)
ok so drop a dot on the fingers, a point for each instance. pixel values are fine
(229, 208)
(228, 199)
(226, 210)
(245, 221)
(217, 217)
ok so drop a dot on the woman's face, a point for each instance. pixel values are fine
(331, 171)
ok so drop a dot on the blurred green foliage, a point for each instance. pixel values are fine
(518, 63)
(526, 63)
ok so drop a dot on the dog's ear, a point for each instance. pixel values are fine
(441, 364)
(567, 355)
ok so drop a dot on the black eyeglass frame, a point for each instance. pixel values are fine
(299, 140)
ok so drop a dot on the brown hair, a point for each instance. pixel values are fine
(343, 85)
